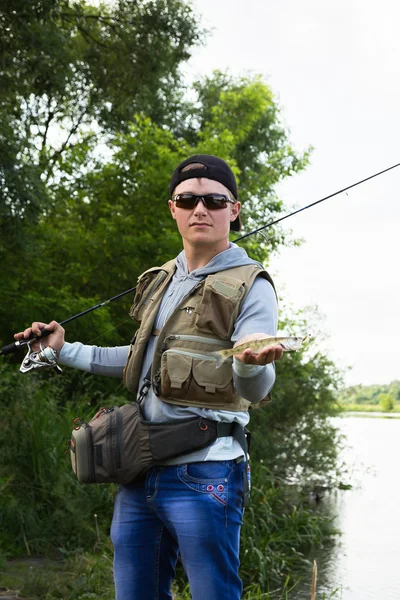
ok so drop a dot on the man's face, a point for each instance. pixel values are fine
(200, 226)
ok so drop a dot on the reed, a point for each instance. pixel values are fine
(314, 582)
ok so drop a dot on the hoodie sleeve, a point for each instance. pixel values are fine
(259, 314)
(99, 361)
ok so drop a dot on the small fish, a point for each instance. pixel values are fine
(287, 343)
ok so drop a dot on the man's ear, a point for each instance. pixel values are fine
(235, 210)
(172, 208)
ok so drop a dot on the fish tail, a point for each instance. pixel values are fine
(219, 359)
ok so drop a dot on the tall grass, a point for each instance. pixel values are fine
(89, 576)
(279, 528)
(43, 508)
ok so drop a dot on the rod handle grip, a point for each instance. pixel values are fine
(20, 344)
(8, 349)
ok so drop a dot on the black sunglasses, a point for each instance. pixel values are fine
(212, 201)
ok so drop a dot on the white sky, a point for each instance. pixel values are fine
(334, 67)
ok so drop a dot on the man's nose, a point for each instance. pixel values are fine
(200, 207)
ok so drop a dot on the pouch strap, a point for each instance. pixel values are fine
(224, 429)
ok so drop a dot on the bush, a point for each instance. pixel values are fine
(43, 508)
(387, 402)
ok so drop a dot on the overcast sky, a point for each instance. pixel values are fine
(334, 68)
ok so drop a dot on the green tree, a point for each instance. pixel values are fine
(241, 119)
(394, 390)
(107, 224)
(72, 75)
(294, 437)
(387, 402)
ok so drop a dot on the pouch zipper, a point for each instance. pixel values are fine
(91, 469)
(118, 427)
(112, 424)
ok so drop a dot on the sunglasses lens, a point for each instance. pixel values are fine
(185, 200)
(212, 201)
(215, 201)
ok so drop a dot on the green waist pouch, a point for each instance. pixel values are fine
(118, 446)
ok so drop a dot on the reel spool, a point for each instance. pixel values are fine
(44, 359)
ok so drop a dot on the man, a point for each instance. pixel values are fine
(213, 295)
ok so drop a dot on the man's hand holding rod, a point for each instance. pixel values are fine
(48, 334)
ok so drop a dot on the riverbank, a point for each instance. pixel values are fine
(89, 575)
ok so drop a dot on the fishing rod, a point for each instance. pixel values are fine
(51, 359)
(20, 344)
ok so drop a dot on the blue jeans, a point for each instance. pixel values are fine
(194, 509)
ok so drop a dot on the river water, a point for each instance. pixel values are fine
(364, 562)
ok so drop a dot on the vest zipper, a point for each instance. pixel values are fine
(198, 338)
(192, 354)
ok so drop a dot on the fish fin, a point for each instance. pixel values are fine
(219, 359)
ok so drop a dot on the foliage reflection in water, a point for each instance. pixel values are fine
(362, 563)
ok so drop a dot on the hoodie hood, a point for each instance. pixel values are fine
(183, 281)
(228, 259)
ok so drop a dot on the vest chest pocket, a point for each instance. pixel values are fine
(218, 309)
(193, 377)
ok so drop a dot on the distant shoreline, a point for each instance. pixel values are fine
(369, 410)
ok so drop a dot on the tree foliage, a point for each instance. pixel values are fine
(73, 75)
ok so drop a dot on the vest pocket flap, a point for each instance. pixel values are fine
(193, 379)
(178, 368)
(210, 378)
(219, 306)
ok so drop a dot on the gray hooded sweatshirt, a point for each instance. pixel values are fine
(253, 382)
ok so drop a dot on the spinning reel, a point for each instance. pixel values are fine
(44, 359)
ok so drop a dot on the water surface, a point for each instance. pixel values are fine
(364, 562)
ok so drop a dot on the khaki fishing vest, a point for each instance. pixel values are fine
(182, 372)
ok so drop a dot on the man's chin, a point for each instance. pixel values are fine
(206, 238)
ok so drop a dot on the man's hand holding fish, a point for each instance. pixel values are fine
(259, 349)
(264, 356)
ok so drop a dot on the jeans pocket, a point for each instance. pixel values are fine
(209, 471)
(209, 478)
